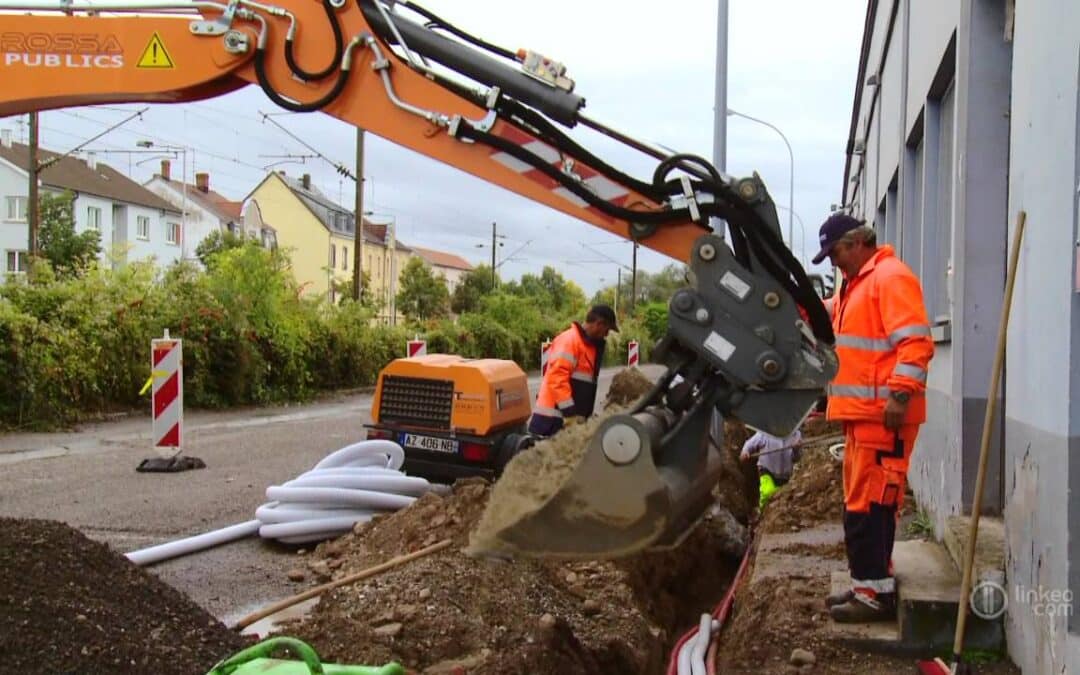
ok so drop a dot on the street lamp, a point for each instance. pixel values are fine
(791, 157)
(802, 228)
(183, 183)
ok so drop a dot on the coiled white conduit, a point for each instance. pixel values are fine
(347, 487)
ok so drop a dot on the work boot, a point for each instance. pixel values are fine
(861, 609)
(834, 599)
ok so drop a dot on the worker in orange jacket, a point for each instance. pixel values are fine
(884, 345)
(574, 359)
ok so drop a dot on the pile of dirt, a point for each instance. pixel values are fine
(815, 493)
(72, 605)
(627, 387)
(449, 610)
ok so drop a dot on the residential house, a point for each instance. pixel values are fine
(206, 210)
(452, 267)
(320, 237)
(966, 113)
(134, 223)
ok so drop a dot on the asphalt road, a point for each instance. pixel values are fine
(87, 479)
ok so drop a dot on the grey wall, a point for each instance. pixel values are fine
(1041, 412)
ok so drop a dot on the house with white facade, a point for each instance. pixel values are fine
(205, 210)
(134, 223)
(452, 267)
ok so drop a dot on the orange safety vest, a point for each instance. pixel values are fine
(569, 386)
(882, 340)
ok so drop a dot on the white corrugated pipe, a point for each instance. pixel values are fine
(347, 487)
(691, 659)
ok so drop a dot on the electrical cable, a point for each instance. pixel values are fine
(339, 48)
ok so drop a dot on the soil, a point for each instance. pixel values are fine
(72, 605)
(791, 611)
(627, 386)
(815, 493)
(489, 615)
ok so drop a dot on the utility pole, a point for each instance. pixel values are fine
(720, 102)
(633, 280)
(358, 243)
(32, 212)
(618, 289)
(493, 236)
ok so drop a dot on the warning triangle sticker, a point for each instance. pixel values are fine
(155, 55)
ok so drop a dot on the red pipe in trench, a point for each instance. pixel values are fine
(720, 613)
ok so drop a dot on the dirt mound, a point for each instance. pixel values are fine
(72, 605)
(815, 493)
(627, 386)
(507, 616)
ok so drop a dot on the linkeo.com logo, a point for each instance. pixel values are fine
(989, 600)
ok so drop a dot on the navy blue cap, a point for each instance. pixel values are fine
(832, 230)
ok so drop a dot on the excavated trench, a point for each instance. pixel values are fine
(450, 611)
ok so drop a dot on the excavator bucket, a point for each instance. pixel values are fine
(643, 482)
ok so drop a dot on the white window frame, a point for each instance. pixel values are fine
(333, 256)
(15, 214)
(93, 218)
(21, 261)
(142, 227)
(172, 233)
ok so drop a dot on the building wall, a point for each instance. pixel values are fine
(299, 233)
(200, 221)
(1042, 411)
(343, 259)
(13, 233)
(977, 119)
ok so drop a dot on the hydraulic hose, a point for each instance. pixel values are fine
(348, 487)
(339, 48)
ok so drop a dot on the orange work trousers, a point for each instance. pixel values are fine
(875, 478)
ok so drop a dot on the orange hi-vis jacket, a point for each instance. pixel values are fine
(569, 386)
(882, 340)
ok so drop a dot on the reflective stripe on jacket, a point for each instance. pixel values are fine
(569, 386)
(882, 340)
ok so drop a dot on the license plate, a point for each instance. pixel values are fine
(429, 443)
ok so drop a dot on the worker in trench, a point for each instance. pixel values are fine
(884, 345)
(776, 456)
(568, 392)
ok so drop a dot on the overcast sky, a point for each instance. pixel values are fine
(646, 68)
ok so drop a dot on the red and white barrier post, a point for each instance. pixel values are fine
(167, 369)
(545, 350)
(632, 354)
(416, 347)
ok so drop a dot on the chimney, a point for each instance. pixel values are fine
(202, 182)
(91, 161)
(306, 181)
(5, 137)
(166, 167)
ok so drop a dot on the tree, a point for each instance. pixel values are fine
(422, 296)
(471, 290)
(551, 289)
(216, 242)
(343, 289)
(68, 253)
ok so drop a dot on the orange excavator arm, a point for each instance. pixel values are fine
(162, 51)
(748, 337)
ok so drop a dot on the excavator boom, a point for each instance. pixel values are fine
(748, 337)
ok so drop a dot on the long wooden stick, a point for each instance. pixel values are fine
(319, 590)
(984, 450)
